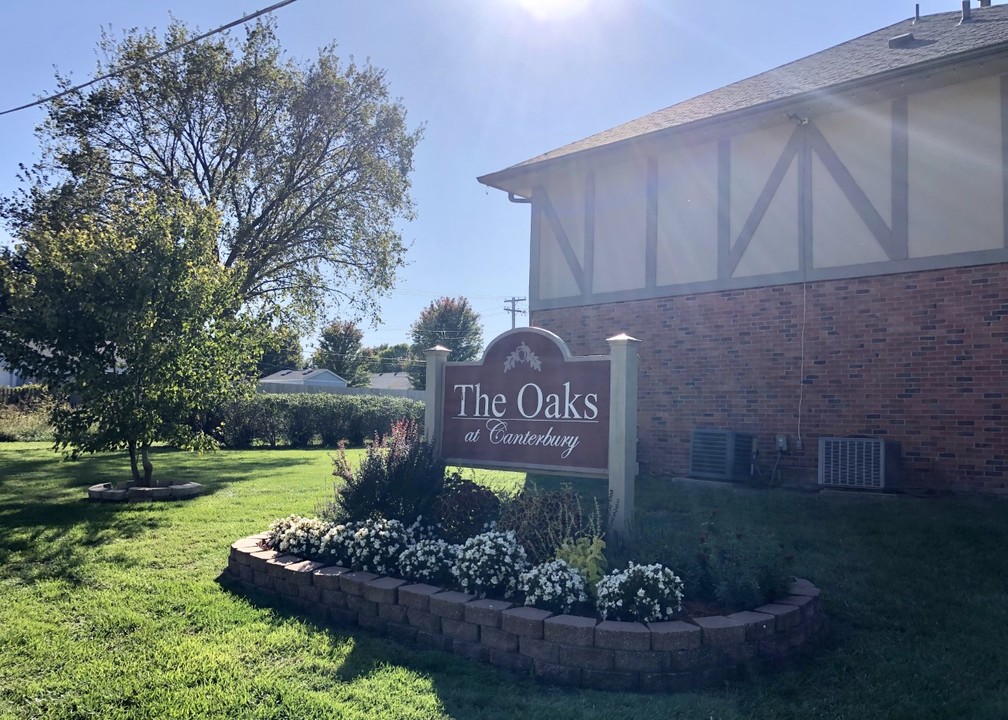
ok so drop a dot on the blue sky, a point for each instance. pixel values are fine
(495, 81)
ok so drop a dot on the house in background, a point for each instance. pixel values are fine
(309, 380)
(9, 378)
(817, 251)
(390, 381)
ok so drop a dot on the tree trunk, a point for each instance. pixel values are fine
(133, 462)
(148, 468)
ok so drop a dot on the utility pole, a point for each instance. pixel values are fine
(513, 310)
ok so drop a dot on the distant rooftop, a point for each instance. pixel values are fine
(302, 376)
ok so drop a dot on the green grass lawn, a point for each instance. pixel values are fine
(114, 611)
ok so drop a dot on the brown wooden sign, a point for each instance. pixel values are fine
(528, 404)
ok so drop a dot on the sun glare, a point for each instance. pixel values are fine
(553, 9)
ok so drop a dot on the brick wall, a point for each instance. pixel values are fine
(921, 358)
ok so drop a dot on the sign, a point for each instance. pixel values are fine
(528, 404)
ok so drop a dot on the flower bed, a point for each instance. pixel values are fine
(560, 648)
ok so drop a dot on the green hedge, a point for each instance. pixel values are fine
(301, 420)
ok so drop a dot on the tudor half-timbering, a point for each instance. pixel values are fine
(820, 250)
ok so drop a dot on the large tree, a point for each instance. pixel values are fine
(451, 323)
(340, 350)
(281, 351)
(388, 358)
(133, 325)
(307, 163)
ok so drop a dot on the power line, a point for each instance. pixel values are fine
(166, 51)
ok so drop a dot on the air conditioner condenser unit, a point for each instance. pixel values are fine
(861, 463)
(721, 454)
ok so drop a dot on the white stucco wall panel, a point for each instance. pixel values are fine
(955, 169)
(862, 139)
(687, 215)
(555, 277)
(839, 235)
(774, 246)
(566, 191)
(753, 157)
(620, 226)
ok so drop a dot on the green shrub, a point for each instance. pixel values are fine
(399, 479)
(24, 425)
(745, 570)
(464, 508)
(729, 562)
(587, 555)
(543, 520)
(301, 419)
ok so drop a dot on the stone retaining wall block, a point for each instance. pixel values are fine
(641, 661)
(757, 625)
(570, 630)
(511, 661)
(328, 577)
(675, 635)
(486, 612)
(393, 613)
(334, 598)
(498, 639)
(720, 631)
(586, 657)
(362, 606)
(556, 673)
(622, 635)
(383, 590)
(524, 621)
(417, 596)
(788, 616)
(539, 649)
(460, 630)
(450, 604)
(423, 621)
(352, 583)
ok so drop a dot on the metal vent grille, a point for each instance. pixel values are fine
(865, 463)
(720, 454)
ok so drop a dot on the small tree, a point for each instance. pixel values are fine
(388, 358)
(450, 322)
(340, 350)
(282, 351)
(133, 325)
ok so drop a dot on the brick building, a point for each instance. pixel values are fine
(819, 250)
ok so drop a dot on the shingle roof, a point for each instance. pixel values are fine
(301, 376)
(935, 37)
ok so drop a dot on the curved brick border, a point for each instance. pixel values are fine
(107, 492)
(563, 649)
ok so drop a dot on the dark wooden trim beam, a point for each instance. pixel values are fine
(724, 209)
(651, 230)
(589, 237)
(900, 244)
(1004, 154)
(535, 251)
(805, 230)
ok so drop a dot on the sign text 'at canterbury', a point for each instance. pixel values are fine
(528, 403)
